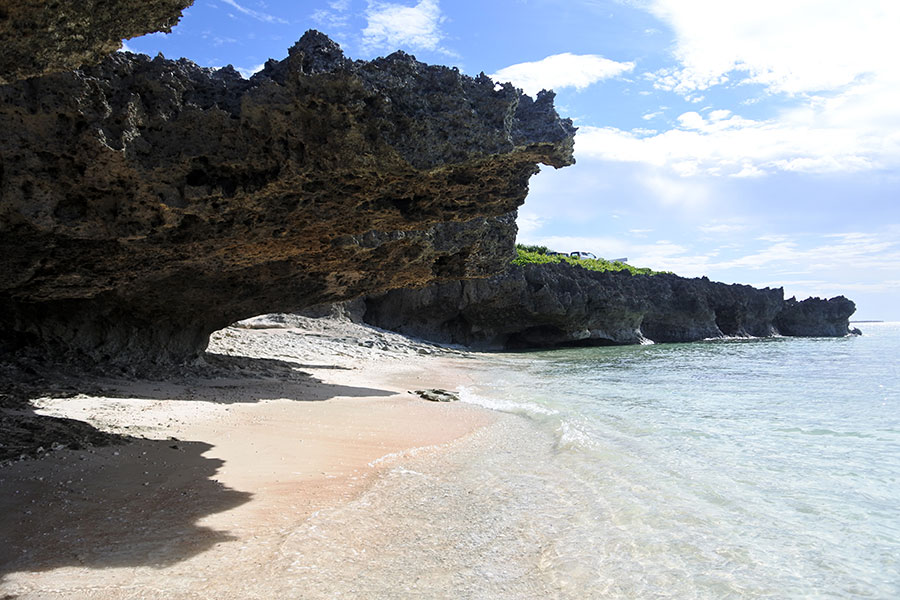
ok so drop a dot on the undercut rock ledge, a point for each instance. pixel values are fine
(40, 37)
(145, 203)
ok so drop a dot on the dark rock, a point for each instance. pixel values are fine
(40, 37)
(437, 395)
(560, 304)
(816, 317)
(145, 203)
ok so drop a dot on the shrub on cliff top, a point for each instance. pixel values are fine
(535, 249)
(530, 255)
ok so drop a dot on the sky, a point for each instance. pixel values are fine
(750, 142)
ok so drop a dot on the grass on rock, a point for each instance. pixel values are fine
(539, 255)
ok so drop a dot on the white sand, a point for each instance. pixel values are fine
(285, 422)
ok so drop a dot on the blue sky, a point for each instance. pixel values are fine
(752, 142)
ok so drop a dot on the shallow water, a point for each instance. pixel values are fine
(728, 469)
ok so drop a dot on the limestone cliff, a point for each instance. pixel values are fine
(816, 317)
(40, 37)
(560, 304)
(145, 203)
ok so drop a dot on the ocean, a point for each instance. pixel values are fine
(745, 468)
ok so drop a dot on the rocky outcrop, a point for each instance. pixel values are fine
(40, 37)
(145, 203)
(816, 317)
(560, 304)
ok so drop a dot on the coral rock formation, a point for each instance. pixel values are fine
(145, 203)
(816, 317)
(560, 304)
(40, 37)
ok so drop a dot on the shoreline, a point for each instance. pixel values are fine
(224, 467)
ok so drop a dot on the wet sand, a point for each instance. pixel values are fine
(227, 462)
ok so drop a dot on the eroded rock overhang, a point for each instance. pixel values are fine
(40, 37)
(148, 202)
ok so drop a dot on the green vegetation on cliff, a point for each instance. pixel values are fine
(538, 255)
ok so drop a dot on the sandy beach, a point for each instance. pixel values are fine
(229, 457)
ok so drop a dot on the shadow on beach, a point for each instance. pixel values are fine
(224, 379)
(219, 379)
(123, 506)
(105, 500)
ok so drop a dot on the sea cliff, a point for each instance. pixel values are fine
(561, 304)
(145, 203)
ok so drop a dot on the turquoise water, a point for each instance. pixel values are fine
(727, 469)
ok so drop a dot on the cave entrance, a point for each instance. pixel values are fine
(728, 320)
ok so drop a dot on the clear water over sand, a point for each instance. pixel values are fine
(727, 469)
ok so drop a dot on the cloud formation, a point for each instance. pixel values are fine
(795, 47)
(336, 16)
(833, 64)
(721, 144)
(259, 16)
(561, 71)
(247, 73)
(391, 26)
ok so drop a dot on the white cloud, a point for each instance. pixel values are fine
(561, 71)
(691, 120)
(248, 73)
(739, 147)
(834, 61)
(793, 47)
(641, 131)
(259, 16)
(722, 228)
(528, 223)
(393, 26)
(869, 253)
(333, 17)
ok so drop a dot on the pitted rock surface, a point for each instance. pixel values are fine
(40, 37)
(147, 202)
(560, 304)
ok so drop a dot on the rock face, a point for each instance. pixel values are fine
(560, 304)
(816, 317)
(146, 203)
(40, 37)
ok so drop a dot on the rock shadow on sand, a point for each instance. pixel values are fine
(126, 506)
(218, 379)
(226, 379)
